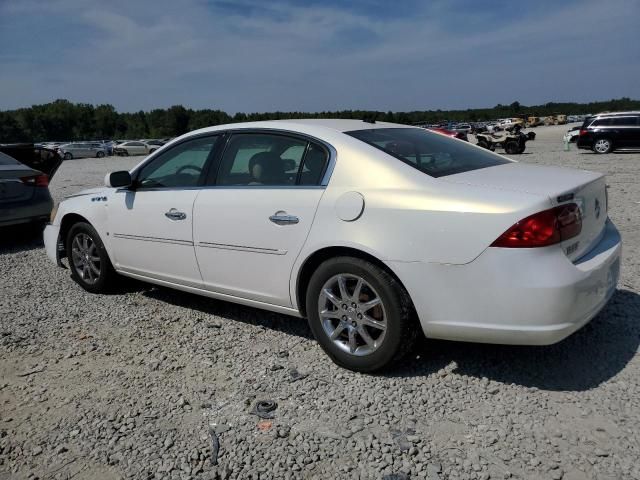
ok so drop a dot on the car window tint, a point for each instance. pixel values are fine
(261, 159)
(623, 121)
(314, 166)
(601, 122)
(431, 153)
(181, 166)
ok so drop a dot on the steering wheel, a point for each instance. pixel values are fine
(189, 167)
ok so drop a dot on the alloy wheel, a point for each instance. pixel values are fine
(352, 314)
(85, 258)
(602, 146)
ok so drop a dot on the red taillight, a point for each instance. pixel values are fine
(583, 132)
(543, 228)
(36, 180)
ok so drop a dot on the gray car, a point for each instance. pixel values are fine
(82, 150)
(25, 171)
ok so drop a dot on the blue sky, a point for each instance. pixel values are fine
(314, 55)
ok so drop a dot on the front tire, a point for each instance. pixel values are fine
(88, 259)
(360, 315)
(602, 145)
(68, 156)
(100, 154)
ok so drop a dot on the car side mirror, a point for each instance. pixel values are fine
(118, 179)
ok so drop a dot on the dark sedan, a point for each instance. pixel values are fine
(25, 171)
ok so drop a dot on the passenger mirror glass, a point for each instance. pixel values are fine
(118, 179)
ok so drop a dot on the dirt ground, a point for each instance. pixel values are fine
(132, 385)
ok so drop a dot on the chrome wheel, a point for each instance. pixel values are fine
(352, 314)
(85, 258)
(602, 145)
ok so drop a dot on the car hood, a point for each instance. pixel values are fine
(88, 191)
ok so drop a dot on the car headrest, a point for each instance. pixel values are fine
(266, 168)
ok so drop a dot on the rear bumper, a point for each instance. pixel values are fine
(514, 296)
(35, 209)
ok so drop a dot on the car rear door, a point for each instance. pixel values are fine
(251, 223)
(151, 223)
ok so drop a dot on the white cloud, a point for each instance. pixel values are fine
(286, 56)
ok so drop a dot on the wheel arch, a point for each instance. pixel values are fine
(313, 261)
(68, 220)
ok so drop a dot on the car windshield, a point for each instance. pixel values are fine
(431, 153)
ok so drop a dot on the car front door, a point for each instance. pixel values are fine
(151, 223)
(251, 224)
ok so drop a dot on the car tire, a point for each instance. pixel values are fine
(389, 307)
(100, 154)
(484, 144)
(68, 156)
(511, 147)
(152, 150)
(89, 262)
(602, 145)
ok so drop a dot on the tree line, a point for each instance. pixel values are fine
(63, 120)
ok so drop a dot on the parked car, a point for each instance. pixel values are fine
(25, 172)
(450, 133)
(606, 132)
(82, 150)
(373, 231)
(462, 128)
(134, 148)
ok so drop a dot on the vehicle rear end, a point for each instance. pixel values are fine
(547, 274)
(493, 250)
(25, 172)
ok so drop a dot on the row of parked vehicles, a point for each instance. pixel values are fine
(104, 148)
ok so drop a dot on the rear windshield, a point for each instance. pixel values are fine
(7, 160)
(431, 153)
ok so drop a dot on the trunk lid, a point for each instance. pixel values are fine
(42, 159)
(560, 185)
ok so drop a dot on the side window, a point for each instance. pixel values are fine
(261, 159)
(602, 122)
(182, 166)
(315, 164)
(623, 121)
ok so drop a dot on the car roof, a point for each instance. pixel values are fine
(319, 124)
(614, 114)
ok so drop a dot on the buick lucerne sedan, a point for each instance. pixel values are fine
(374, 232)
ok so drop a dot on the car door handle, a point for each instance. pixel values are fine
(174, 214)
(282, 218)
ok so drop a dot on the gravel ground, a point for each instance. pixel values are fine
(137, 384)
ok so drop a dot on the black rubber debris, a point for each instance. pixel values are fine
(264, 408)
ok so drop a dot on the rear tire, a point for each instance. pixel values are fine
(483, 144)
(100, 154)
(511, 147)
(89, 262)
(364, 328)
(602, 145)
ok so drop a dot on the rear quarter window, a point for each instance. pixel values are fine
(431, 153)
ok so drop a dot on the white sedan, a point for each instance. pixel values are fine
(373, 231)
(134, 148)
